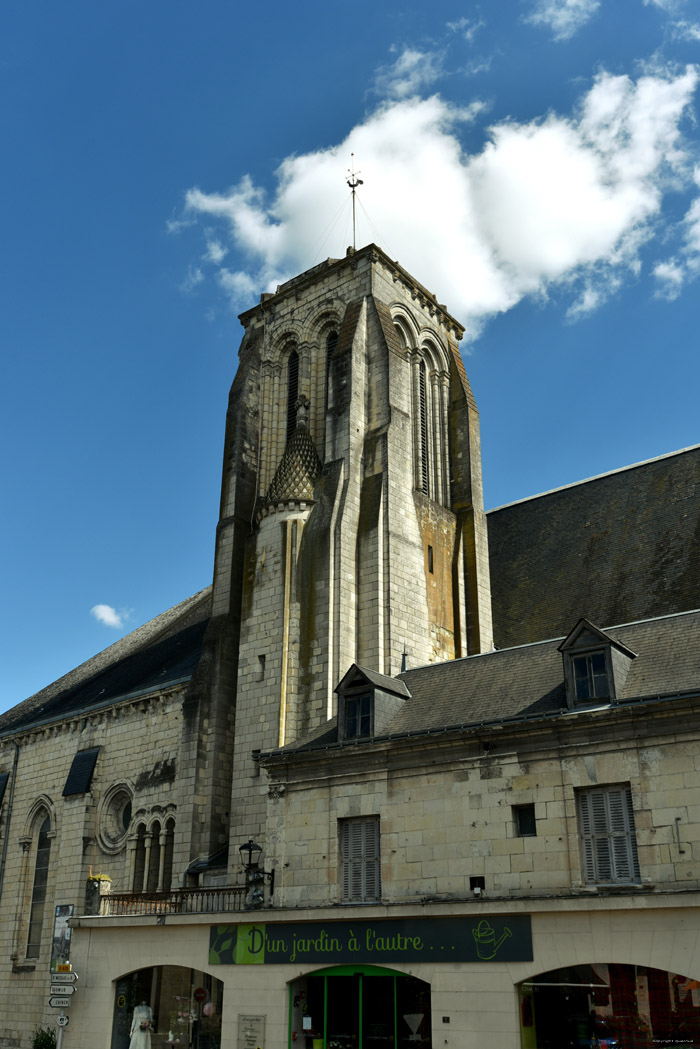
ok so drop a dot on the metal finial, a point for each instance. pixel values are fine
(353, 182)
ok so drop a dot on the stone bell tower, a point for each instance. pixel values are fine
(352, 526)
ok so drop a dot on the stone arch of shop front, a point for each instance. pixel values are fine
(609, 1005)
(359, 1007)
(185, 1007)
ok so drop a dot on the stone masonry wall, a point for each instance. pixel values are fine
(140, 749)
(447, 814)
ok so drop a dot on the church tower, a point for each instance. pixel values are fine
(352, 526)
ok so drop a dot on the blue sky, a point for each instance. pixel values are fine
(535, 163)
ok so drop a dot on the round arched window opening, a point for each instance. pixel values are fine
(115, 818)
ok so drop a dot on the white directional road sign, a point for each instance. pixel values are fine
(59, 1001)
(64, 977)
(60, 989)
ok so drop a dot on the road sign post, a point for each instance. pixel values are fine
(62, 989)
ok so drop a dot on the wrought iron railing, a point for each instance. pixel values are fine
(179, 901)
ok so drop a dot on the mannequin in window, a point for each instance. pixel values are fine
(141, 1026)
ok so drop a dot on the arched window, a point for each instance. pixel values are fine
(422, 451)
(139, 859)
(154, 859)
(430, 434)
(168, 855)
(39, 887)
(331, 343)
(292, 391)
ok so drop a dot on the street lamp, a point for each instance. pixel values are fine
(255, 876)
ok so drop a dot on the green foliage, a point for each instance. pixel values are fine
(44, 1038)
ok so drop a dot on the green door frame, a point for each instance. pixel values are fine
(346, 970)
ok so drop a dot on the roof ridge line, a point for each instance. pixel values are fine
(595, 477)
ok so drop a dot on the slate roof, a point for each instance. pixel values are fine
(160, 653)
(528, 681)
(620, 547)
(388, 684)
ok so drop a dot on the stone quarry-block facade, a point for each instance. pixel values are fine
(466, 742)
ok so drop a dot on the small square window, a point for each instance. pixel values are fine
(525, 824)
(591, 677)
(358, 716)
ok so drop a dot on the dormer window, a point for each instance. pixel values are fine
(367, 703)
(595, 666)
(591, 677)
(358, 715)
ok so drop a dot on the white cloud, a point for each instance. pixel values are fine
(192, 279)
(108, 616)
(671, 278)
(412, 71)
(562, 202)
(466, 27)
(238, 286)
(683, 30)
(672, 274)
(563, 17)
(215, 252)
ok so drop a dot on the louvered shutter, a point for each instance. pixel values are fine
(359, 851)
(608, 844)
(587, 840)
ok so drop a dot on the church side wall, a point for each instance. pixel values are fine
(139, 748)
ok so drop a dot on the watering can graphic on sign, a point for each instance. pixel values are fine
(485, 939)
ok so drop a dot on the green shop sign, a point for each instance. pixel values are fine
(403, 940)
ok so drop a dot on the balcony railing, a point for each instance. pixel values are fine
(179, 901)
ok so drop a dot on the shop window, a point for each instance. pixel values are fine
(608, 842)
(524, 817)
(359, 860)
(184, 1007)
(360, 1005)
(39, 889)
(608, 1006)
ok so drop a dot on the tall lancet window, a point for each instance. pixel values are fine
(422, 451)
(430, 432)
(39, 889)
(331, 343)
(292, 391)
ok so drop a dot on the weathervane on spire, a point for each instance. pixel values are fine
(353, 182)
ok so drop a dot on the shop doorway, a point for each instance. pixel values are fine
(359, 1007)
(183, 1007)
(607, 1006)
